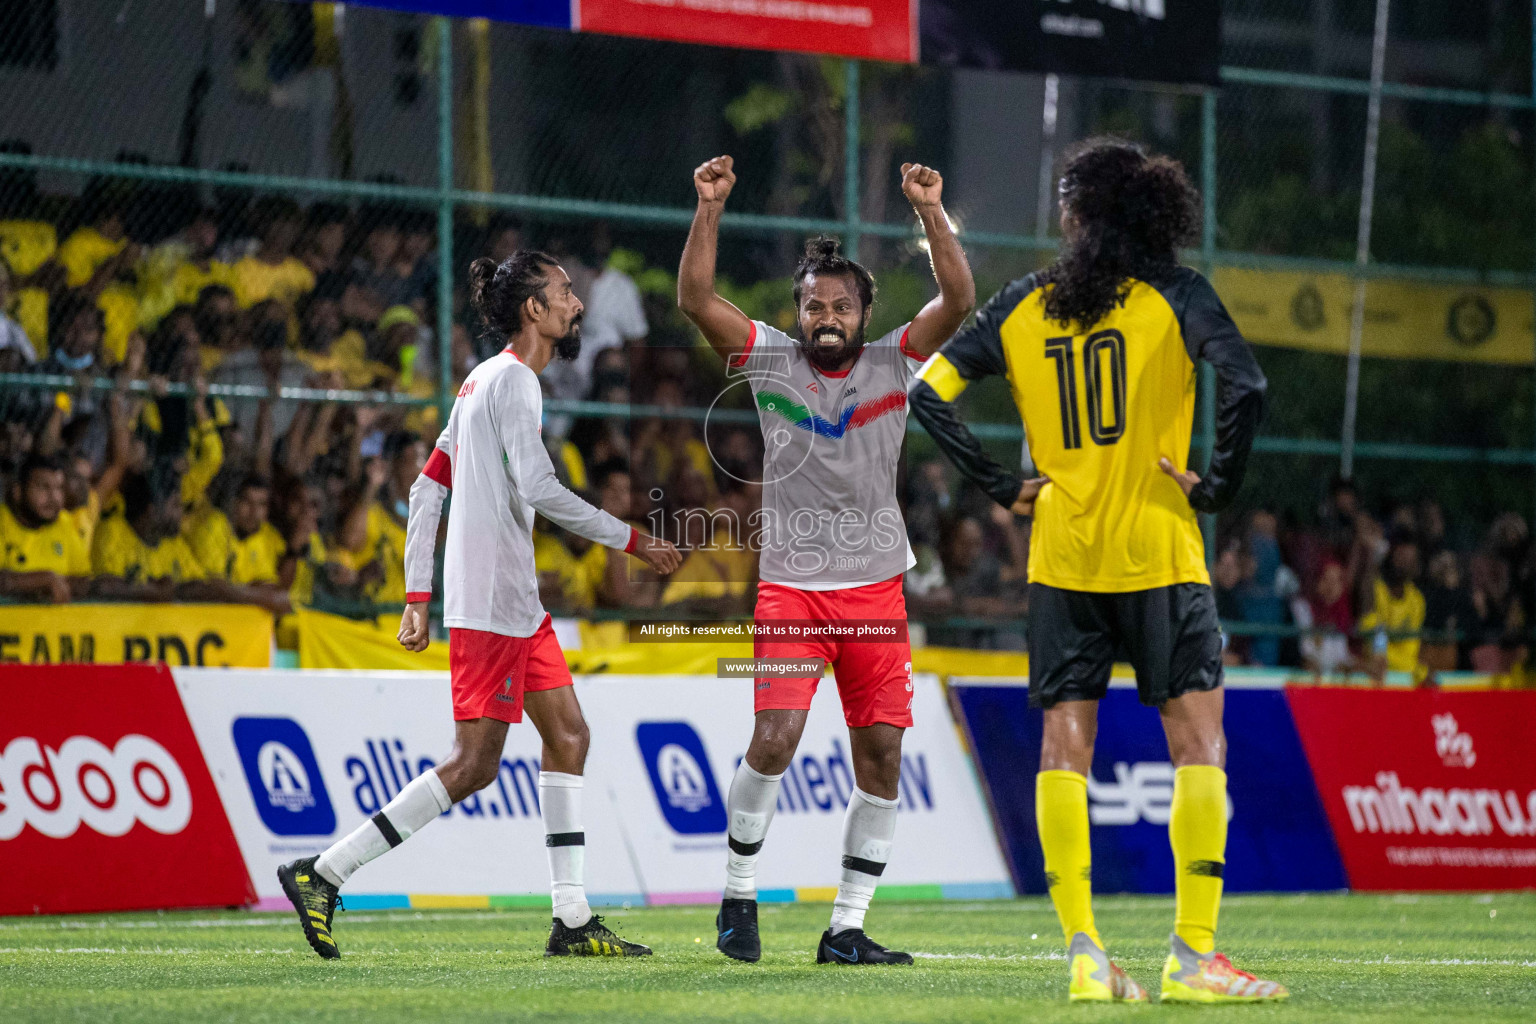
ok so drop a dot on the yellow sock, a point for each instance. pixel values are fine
(1197, 828)
(1061, 815)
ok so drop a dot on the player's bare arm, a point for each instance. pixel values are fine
(726, 328)
(942, 317)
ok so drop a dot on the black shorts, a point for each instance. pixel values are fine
(1170, 636)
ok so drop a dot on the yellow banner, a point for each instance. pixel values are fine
(1403, 319)
(330, 641)
(222, 635)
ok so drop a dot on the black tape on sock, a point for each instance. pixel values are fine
(565, 839)
(387, 830)
(869, 867)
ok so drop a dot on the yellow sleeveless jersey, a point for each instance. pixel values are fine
(1100, 408)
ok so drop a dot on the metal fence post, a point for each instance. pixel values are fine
(851, 157)
(1363, 240)
(1208, 259)
(444, 219)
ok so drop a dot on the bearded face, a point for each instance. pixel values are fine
(832, 320)
(568, 346)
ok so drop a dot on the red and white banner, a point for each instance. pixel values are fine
(1425, 789)
(105, 798)
(871, 29)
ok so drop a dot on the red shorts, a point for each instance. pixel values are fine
(874, 679)
(491, 672)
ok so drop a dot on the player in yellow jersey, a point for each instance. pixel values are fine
(1099, 350)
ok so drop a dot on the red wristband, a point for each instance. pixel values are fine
(634, 539)
(417, 596)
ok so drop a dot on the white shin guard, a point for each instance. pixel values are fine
(868, 830)
(566, 844)
(422, 800)
(750, 806)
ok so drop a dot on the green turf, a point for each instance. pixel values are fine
(1345, 958)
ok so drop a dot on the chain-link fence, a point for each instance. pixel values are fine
(273, 205)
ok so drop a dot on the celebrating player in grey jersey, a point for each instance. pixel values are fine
(833, 414)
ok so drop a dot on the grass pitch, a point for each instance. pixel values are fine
(1345, 958)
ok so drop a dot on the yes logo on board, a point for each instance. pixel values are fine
(284, 777)
(680, 774)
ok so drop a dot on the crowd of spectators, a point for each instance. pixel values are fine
(154, 491)
(1358, 593)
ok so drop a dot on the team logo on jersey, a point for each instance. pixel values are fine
(685, 787)
(284, 777)
(851, 418)
(811, 387)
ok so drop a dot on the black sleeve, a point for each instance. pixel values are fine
(1210, 334)
(975, 352)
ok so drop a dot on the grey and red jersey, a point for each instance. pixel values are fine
(831, 449)
(492, 458)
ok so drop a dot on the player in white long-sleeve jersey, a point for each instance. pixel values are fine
(502, 651)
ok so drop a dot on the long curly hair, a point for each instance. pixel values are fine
(1133, 211)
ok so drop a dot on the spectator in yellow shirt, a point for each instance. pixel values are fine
(175, 271)
(241, 546)
(273, 271)
(618, 580)
(100, 250)
(565, 584)
(718, 573)
(29, 243)
(42, 557)
(76, 325)
(1396, 608)
(143, 556)
(16, 348)
(297, 517)
(324, 238)
(374, 527)
(86, 493)
(217, 316)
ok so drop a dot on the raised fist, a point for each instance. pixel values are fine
(923, 186)
(713, 179)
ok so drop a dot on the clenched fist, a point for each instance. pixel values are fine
(713, 179)
(657, 553)
(923, 186)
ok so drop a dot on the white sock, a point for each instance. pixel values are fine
(867, 833)
(422, 800)
(750, 804)
(566, 844)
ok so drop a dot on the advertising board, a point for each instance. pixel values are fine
(1277, 834)
(105, 801)
(1425, 789)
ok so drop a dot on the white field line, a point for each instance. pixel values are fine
(1384, 961)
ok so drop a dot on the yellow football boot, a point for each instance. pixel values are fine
(1190, 977)
(1096, 978)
